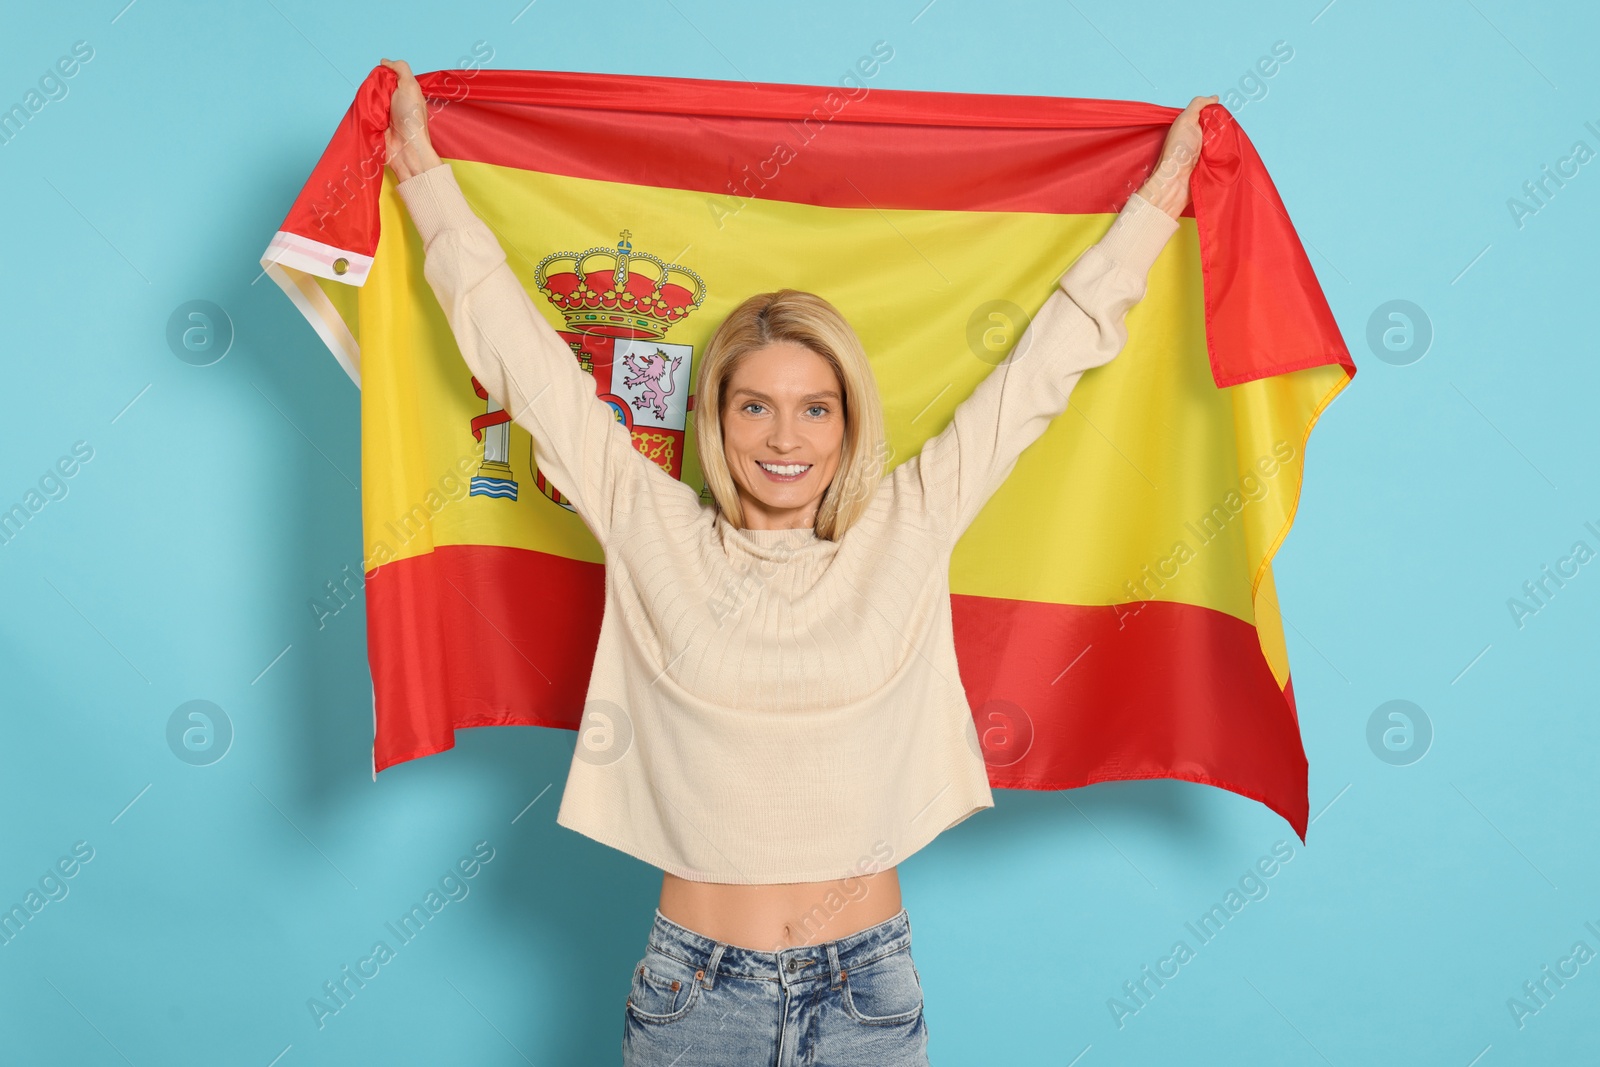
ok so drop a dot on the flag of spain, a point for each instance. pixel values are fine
(1114, 609)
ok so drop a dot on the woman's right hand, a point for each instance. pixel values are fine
(406, 142)
(1168, 186)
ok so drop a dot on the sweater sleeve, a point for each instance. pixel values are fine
(520, 360)
(1081, 325)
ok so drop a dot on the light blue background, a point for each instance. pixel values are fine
(220, 499)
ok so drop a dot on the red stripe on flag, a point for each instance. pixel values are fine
(471, 635)
(1042, 680)
(825, 162)
(478, 635)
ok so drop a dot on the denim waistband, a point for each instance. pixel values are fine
(790, 966)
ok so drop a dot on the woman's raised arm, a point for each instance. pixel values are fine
(1081, 325)
(516, 355)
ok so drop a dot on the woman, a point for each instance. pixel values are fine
(775, 714)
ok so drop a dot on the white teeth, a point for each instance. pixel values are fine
(786, 469)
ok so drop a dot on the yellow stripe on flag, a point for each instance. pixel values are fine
(1155, 485)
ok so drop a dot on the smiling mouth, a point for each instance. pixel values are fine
(784, 472)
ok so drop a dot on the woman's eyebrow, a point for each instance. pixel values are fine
(826, 395)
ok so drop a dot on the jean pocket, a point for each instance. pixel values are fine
(885, 992)
(664, 989)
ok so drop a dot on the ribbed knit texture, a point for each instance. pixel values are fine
(765, 705)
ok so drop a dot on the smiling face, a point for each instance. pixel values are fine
(783, 426)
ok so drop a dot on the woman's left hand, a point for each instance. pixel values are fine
(1168, 186)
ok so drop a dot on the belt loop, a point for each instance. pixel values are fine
(708, 976)
(835, 971)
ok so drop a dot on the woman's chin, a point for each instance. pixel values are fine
(775, 498)
(784, 501)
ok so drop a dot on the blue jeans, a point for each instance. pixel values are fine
(698, 1002)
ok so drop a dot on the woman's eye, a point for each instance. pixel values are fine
(751, 404)
(823, 408)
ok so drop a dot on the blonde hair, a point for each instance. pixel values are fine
(809, 320)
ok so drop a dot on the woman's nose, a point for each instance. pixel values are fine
(783, 433)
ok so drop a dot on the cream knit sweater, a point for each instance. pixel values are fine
(769, 706)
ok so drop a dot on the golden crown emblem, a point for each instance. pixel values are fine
(619, 301)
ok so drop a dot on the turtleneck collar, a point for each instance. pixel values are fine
(769, 544)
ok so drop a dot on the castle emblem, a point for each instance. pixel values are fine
(617, 318)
